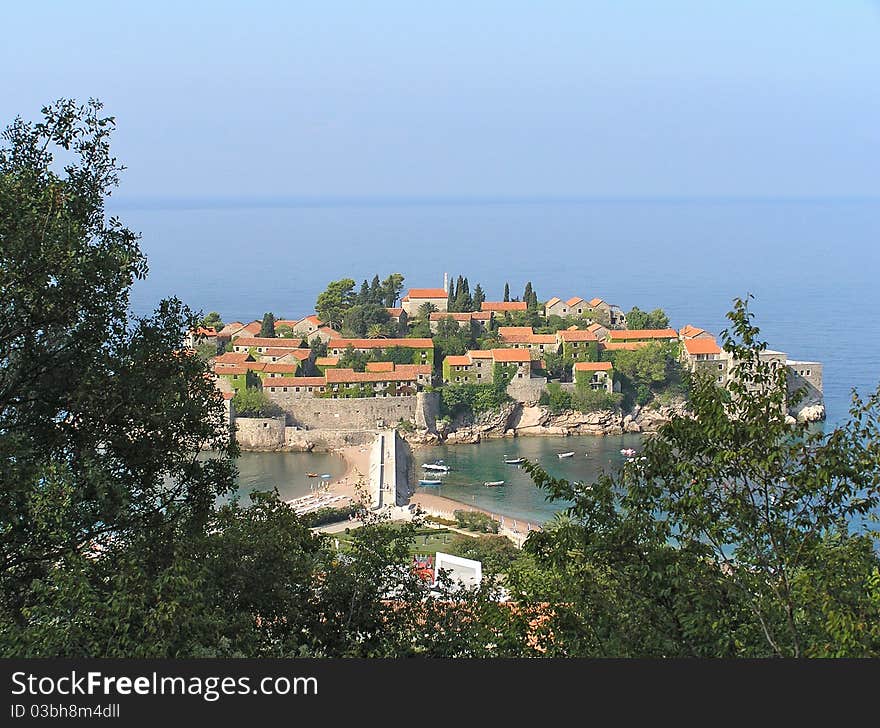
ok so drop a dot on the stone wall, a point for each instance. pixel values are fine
(527, 391)
(364, 413)
(260, 433)
(806, 375)
(427, 411)
(298, 440)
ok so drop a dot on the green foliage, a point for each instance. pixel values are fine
(739, 533)
(638, 319)
(284, 332)
(212, 321)
(648, 370)
(353, 359)
(585, 399)
(496, 553)
(207, 350)
(452, 339)
(358, 319)
(425, 311)
(254, 402)
(267, 329)
(318, 347)
(558, 400)
(473, 398)
(323, 516)
(476, 521)
(335, 300)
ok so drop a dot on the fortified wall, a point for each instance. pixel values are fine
(361, 413)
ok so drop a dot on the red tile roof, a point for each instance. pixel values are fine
(232, 357)
(426, 293)
(468, 316)
(394, 312)
(268, 341)
(380, 366)
(701, 346)
(480, 354)
(347, 376)
(458, 361)
(569, 335)
(424, 369)
(275, 367)
(327, 361)
(511, 355)
(514, 330)
(592, 366)
(630, 334)
(503, 306)
(625, 345)
(226, 369)
(381, 343)
(202, 331)
(688, 331)
(596, 301)
(552, 302)
(276, 382)
(574, 301)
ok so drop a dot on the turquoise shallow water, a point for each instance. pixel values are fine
(285, 471)
(473, 465)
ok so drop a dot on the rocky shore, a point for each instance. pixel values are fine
(520, 420)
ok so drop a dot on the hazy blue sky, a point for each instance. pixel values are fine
(468, 98)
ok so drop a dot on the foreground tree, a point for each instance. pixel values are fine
(739, 532)
(101, 414)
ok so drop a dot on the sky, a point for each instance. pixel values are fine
(621, 98)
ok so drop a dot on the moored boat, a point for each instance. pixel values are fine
(561, 455)
(430, 482)
(312, 475)
(514, 461)
(493, 483)
(433, 467)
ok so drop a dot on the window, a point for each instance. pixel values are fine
(808, 372)
(720, 367)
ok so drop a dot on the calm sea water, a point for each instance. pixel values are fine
(811, 264)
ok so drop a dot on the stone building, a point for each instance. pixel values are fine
(417, 297)
(481, 366)
(595, 375)
(423, 349)
(578, 344)
(642, 336)
(523, 337)
(503, 306)
(480, 319)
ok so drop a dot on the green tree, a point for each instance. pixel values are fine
(392, 287)
(737, 533)
(638, 319)
(254, 402)
(333, 302)
(353, 359)
(425, 310)
(506, 292)
(267, 329)
(212, 321)
(479, 297)
(101, 415)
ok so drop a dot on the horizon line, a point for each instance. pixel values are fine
(211, 201)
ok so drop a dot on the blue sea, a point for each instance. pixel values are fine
(811, 264)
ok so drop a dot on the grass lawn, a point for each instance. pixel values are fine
(425, 544)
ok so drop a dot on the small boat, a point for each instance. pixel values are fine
(514, 461)
(493, 483)
(564, 454)
(326, 475)
(628, 451)
(433, 467)
(312, 475)
(430, 482)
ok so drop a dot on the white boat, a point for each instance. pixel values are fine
(433, 467)
(493, 483)
(430, 482)
(514, 461)
(564, 454)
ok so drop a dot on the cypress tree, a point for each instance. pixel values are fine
(376, 293)
(527, 295)
(479, 297)
(267, 328)
(506, 292)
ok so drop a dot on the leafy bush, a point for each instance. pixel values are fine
(475, 398)
(254, 402)
(585, 399)
(558, 399)
(476, 521)
(324, 516)
(496, 553)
